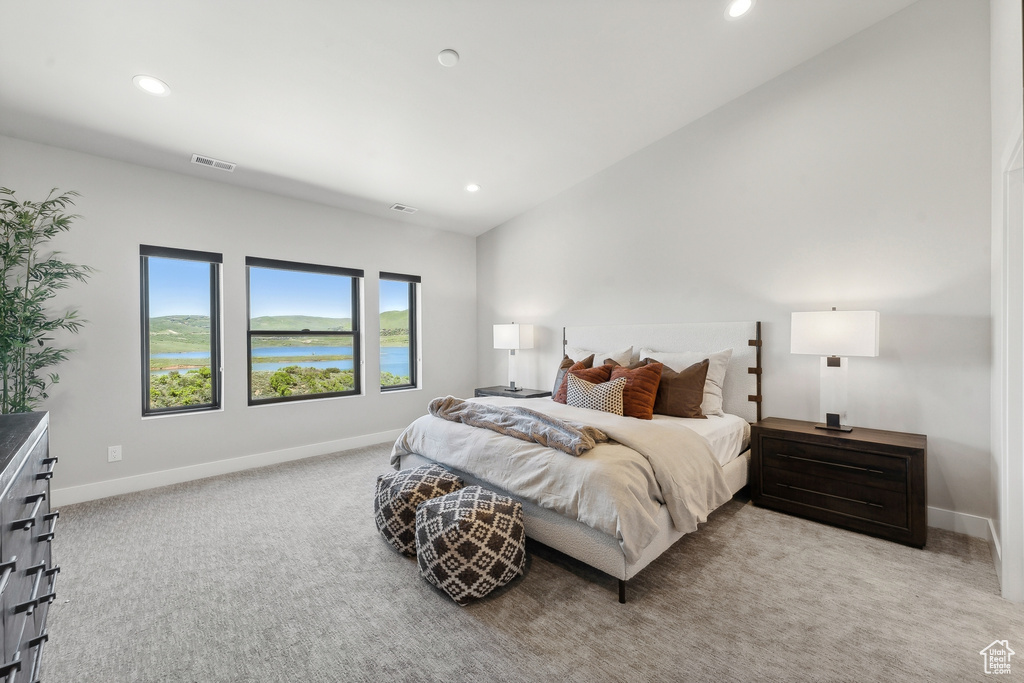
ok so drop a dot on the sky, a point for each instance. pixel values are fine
(182, 287)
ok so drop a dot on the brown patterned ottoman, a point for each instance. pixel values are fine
(400, 493)
(470, 542)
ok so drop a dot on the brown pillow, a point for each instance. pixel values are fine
(641, 389)
(681, 393)
(593, 375)
(565, 365)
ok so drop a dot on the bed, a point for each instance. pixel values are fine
(710, 469)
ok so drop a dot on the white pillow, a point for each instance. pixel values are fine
(622, 356)
(718, 363)
(606, 396)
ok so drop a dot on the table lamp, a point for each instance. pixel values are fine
(513, 337)
(834, 335)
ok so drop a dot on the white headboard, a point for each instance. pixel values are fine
(742, 390)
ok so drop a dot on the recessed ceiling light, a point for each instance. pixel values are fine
(448, 57)
(151, 85)
(738, 8)
(472, 187)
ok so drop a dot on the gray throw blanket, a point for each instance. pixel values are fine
(521, 423)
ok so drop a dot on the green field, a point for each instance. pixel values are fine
(177, 333)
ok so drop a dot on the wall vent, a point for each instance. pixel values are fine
(213, 163)
(403, 208)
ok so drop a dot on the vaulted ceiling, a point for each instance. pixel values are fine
(344, 102)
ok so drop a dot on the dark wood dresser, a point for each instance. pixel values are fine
(867, 480)
(27, 574)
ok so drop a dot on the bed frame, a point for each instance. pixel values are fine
(741, 396)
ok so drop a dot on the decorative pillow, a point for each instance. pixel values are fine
(567, 363)
(606, 396)
(598, 374)
(680, 394)
(641, 389)
(621, 356)
(718, 363)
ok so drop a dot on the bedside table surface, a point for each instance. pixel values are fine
(502, 390)
(859, 434)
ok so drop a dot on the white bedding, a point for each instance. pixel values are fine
(617, 488)
(728, 435)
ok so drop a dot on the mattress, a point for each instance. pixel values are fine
(728, 435)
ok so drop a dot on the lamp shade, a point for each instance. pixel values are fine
(835, 333)
(513, 336)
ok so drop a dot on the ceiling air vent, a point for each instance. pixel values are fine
(403, 208)
(213, 163)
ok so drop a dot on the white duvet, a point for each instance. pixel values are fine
(616, 487)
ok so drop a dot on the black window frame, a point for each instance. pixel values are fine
(216, 370)
(414, 282)
(356, 276)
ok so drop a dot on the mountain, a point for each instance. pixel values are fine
(301, 322)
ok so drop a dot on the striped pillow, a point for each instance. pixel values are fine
(606, 396)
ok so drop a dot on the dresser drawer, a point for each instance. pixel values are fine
(853, 466)
(853, 500)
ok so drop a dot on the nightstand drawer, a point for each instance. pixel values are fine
(852, 466)
(843, 497)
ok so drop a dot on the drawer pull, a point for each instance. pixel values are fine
(831, 464)
(832, 495)
(29, 522)
(48, 536)
(46, 474)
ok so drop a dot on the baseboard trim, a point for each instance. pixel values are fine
(114, 487)
(961, 523)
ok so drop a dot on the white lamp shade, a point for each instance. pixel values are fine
(835, 333)
(513, 336)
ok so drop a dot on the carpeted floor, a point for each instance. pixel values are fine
(278, 574)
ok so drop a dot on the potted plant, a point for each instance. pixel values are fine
(29, 277)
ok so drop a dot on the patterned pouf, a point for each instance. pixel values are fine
(470, 542)
(399, 494)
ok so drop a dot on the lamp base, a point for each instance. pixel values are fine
(840, 428)
(832, 422)
(512, 387)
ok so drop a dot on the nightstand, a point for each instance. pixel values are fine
(867, 480)
(503, 391)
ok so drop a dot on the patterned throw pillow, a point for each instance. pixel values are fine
(606, 396)
(596, 375)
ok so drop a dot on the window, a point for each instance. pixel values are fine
(303, 331)
(398, 352)
(180, 330)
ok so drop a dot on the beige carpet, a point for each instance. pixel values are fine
(278, 574)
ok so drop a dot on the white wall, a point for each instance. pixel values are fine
(859, 180)
(97, 402)
(1007, 484)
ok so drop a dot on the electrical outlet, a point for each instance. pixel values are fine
(113, 454)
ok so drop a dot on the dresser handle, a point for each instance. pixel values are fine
(832, 495)
(29, 522)
(831, 464)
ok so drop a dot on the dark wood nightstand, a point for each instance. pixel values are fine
(503, 391)
(867, 480)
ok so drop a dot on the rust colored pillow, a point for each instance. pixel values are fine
(564, 367)
(593, 375)
(641, 389)
(681, 393)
